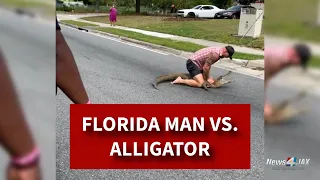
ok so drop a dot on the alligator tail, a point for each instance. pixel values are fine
(169, 77)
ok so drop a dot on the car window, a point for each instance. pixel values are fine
(248, 7)
(197, 7)
(235, 8)
(239, 8)
(206, 7)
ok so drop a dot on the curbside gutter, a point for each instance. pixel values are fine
(252, 64)
(150, 45)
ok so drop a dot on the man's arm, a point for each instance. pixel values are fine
(207, 66)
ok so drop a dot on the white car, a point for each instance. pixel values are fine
(200, 11)
(73, 3)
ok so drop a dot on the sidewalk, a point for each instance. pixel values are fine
(272, 40)
(296, 78)
(162, 35)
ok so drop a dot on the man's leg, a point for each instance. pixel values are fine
(196, 74)
(67, 74)
(197, 81)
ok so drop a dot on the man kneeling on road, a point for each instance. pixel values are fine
(277, 59)
(200, 63)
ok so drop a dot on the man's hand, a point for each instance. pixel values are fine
(31, 173)
(268, 109)
(211, 80)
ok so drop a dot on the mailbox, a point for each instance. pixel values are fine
(250, 24)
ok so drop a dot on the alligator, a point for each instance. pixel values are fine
(171, 77)
(283, 112)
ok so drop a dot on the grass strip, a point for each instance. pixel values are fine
(179, 45)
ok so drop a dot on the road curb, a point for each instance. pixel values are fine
(163, 48)
(70, 25)
(244, 63)
(153, 46)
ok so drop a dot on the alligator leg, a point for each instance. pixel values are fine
(221, 83)
(222, 76)
(206, 84)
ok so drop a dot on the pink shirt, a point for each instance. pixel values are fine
(274, 59)
(199, 58)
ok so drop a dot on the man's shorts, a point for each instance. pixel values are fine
(193, 69)
(57, 25)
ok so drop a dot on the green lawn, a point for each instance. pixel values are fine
(78, 23)
(212, 30)
(43, 8)
(315, 62)
(179, 45)
(292, 19)
(30, 3)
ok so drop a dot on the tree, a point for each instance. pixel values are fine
(137, 6)
(146, 3)
(246, 2)
(88, 2)
(223, 3)
(163, 4)
(127, 3)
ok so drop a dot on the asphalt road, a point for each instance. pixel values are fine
(29, 47)
(115, 72)
(299, 137)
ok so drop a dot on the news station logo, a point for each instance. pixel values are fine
(290, 163)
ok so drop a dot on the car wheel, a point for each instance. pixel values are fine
(233, 16)
(191, 15)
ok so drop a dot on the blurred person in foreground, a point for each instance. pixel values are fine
(68, 78)
(15, 136)
(277, 59)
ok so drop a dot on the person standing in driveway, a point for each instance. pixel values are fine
(113, 16)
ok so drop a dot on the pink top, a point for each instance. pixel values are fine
(200, 57)
(274, 59)
(113, 11)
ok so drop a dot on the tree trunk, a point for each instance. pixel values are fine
(138, 6)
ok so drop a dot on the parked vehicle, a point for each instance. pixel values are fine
(71, 3)
(232, 12)
(200, 11)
